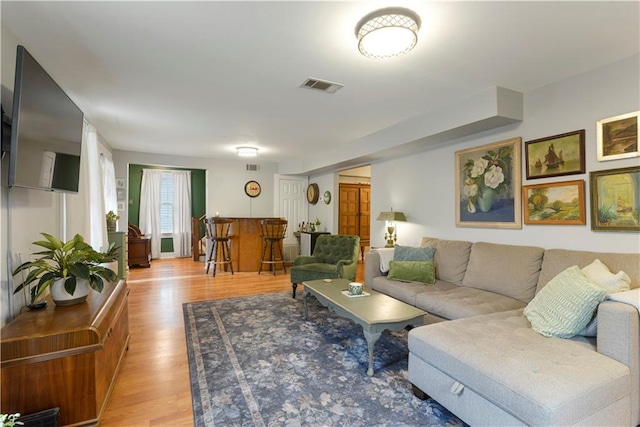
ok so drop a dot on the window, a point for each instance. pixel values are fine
(166, 203)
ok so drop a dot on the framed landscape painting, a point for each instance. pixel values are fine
(618, 137)
(488, 180)
(559, 203)
(615, 199)
(555, 155)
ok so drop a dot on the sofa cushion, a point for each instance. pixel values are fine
(455, 302)
(566, 305)
(504, 269)
(406, 292)
(541, 381)
(451, 258)
(413, 271)
(557, 260)
(409, 253)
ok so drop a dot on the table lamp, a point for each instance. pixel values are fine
(391, 218)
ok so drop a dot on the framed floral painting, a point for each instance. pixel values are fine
(488, 180)
(617, 137)
(615, 199)
(557, 203)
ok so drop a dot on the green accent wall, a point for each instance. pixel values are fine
(198, 196)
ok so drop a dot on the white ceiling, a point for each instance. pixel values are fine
(200, 78)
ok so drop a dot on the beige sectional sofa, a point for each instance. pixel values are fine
(489, 367)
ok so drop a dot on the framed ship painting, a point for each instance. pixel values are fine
(615, 199)
(488, 182)
(555, 155)
(618, 137)
(557, 203)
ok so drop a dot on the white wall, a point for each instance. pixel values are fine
(422, 185)
(326, 213)
(225, 182)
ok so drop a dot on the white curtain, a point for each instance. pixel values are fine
(182, 213)
(150, 208)
(85, 210)
(109, 184)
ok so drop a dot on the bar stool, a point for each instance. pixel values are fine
(272, 232)
(218, 235)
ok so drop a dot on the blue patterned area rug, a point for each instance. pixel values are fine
(256, 361)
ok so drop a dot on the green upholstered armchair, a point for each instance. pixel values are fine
(334, 257)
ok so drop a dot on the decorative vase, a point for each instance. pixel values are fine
(61, 297)
(485, 201)
(111, 225)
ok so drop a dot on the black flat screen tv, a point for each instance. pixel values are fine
(46, 131)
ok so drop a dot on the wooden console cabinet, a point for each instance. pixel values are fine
(66, 357)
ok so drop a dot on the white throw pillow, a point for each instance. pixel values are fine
(565, 305)
(612, 283)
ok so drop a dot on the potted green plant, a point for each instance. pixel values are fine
(68, 269)
(112, 217)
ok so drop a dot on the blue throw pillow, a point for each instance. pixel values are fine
(410, 253)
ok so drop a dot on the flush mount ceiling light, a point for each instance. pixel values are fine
(388, 32)
(247, 151)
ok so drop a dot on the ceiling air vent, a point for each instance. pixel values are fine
(321, 85)
(252, 167)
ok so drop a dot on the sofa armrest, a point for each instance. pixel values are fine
(306, 259)
(371, 267)
(619, 339)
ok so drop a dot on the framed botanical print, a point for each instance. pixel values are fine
(487, 188)
(555, 155)
(557, 203)
(617, 137)
(615, 199)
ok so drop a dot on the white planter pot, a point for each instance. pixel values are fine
(61, 297)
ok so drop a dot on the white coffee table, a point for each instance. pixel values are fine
(374, 313)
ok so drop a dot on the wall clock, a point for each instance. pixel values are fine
(327, 197)
(313, 193)
(252, 189)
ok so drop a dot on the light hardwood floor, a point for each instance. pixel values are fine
(152, 388)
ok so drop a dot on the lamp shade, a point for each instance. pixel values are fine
(391, 216)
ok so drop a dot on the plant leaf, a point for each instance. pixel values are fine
(70, 285)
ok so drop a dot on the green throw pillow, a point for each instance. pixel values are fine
(413, 271)
(565, 305)
(410, 253)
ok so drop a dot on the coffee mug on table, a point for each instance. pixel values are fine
(355, 288)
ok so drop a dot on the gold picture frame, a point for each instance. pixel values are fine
(617, 137)
(554, 203)
(488, 180)
(615, 199)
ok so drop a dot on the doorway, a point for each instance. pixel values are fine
(354, 212)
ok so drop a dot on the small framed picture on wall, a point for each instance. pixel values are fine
(615, 202)
(618, 137)
(119, 182)
(555, 155)
(555, 203)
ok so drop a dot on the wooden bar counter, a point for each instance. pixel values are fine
(66, 357)
(246, 243)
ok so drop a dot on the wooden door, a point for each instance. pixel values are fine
(365, 213)
(355, 210)
(348, 221)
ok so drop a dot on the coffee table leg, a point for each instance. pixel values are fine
(371, 341)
